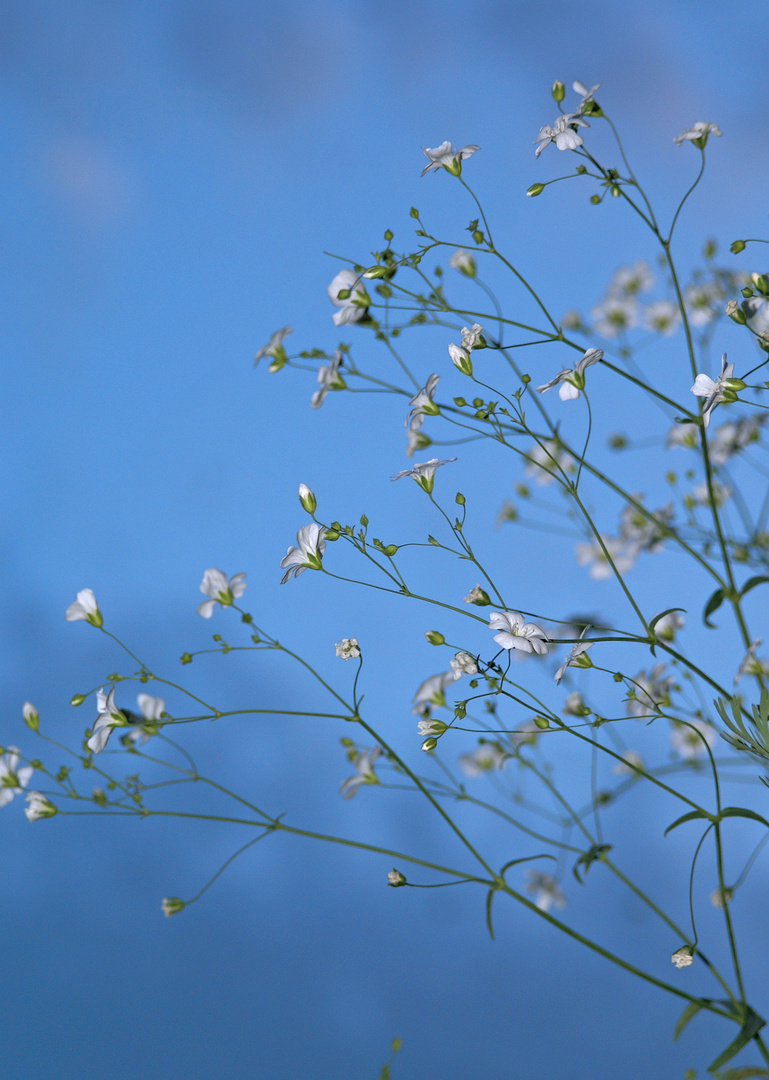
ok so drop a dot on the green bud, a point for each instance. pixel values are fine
(413, 212)
(388, 235)
(429, 744)
(390, 550)
(363, 520)
(734, 384)
(595, 199)
(558, 91)
(77, 699)
(185, 658)
(460, 402)
(542, 722)
(459, 499)
(277, 362)
(331, 534)
(171, 904)
(478, 236)
(31, 718)
(737, 246)
(614, 190)
(246, 618)
(435, 637)
(617, 441)
(535, 189)
(581, 170)
(710, 248)
(583, 661)
(747, 292)
(384, 290)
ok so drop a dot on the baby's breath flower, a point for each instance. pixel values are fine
(328, 379)
(151, 709)
(472, 338)
(38, 807)
(308, 554)
(430, 693)
(683, 957)
(12, 777)
(171, 905)
(478, 596)
(274, 346)
(615, 314)
(592, 554)
(547, 460)
(109, 717)
(698, 134)
(84, 607)
(364, 772)
(719, 898)
(423, 473)
(751, 664)
(715, 392)
(663, 317)
(690, 744)
(463, 664)
(347, 648)
(446, 157)
(488, 757)
(630, 280)
(668, 625)
(354, 302)
(464, 262)
(546, 890)
(574, 705)
(221, 591)
(683, 435)
(650, 692)
(562, 132)
(575, 657)
(572, 380)
(625, 767)
(515, 633)
(422, 403)
(396, 878)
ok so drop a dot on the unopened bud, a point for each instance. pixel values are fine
(31, 718)
(737, 246)
(478, 596)
(396, 879)
(77, 699)
(535, 189)
(595, 199)
(542, 722)
(171, 904)
(478, 236)
(460, 359)
(185, 658)
(761, 283)
(735, 312)
(614, 190)
(307, 499)
(558, 91)
(435, 637)
(734, 384)
(429, 744)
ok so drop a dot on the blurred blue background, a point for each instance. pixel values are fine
(173, 174)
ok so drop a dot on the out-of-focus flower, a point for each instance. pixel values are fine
(396, 879)
(12, 777)
(574, 705)
(651, 692)
(423, 473)
(683, 435)
(562, 132)
(663, 317)
(84, 607)
(702, 302)
(38, 807)
(715, 392)
(422, 403)
(546, 890)
(446, 157)
(221, 591)
(735, 435)
(525, 735)
(347, 648)
(585, 94)
(719, 898)
(364, 772)
(464, 262)
(752, 664)
(590, 553)
(463, 664)
(625, 767)
(171, 905)
(668, 625)
(274, 346)
(575, 655)
(488, 757)
(515, 633)
(328, 379)
(31, 716)
(700, 496)
(631, 280)
(431, 726)
(109, 717)
(690, 744)
(643, 533)
(308, 553)
(547, 460)
(698, 134)
(615, 314)
(572, 380)
(683, 957)
(430, 693)
(151, 709)
(354, 303)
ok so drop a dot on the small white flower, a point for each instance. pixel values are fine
(698, 134)
(546, 891)
(460, 358)
(424, 472)
(307, 555)
(274, 346)
(701, 301)
(445, 157)
(585, 94)
(471, 339)
(663, 317)
(719, 898)
(577, 651)
(574, 705)
(515, 633)
(364, 772)
(751, 664)
(109, 717)
(683, 435)
(347, 648)
(689, 744)
(221, 591)
(652, 692)
(592, 554)
(422, 403)
(526, 734)
(13, 778)
(38, 807)
(683, 957)
(430, 693)
(396, 878)
(171, 905)
(713, 392)
(643, 533)
(352, 308)
(328, 379)
(31, 715)
(464, 262)
(547, 460)
(668, 625)
(431, 727)
(416, 439)
(735, 435)
(84, 607)
(700, 495)
(615, 314)
(478, 596)
(151, 709)
(572, 380)
(561, 132)
(625, 767)
(463, 664)
(630, 280)
(488, 757)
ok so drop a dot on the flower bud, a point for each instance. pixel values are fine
(583, 661)
(435, 637)
(595, 199)
(478, 236)
(464, 262)
(558, 91)
(684, 956)
(542, 722)
(307, 499)
(460, 359)
(737, 246)
(478, 596)
(413, 212)
(614, 190)
(185, 658)
(396, 879)
(375, 272)
(429, 744)
(735, 312)
(171, 904)
(77, 699)
(535, 189)
(761, 283)
(31, 718)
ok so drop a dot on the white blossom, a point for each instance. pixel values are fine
(735, 435)
(629, 759)
(446, 157)
(396, 878)
(171, 905)
(472, 338)
(593, 555)
(347, 649)
(700, 495)
(423, 473)
(697, 133)
(422, 402)
(546, 890)
(38, 807)
(463, 664)
(667, 627)
(354, 307)
(685, 435)
(713, 392)
(464, 262)
(689, 744)
(525, 735)
(572, 380)
(328, 379)
(364, 772)
(84, 607)
(561, 132)
(431, 726)
(630, 280)
(615, 314)
(683, 957)
(488, 757)
(576, 652)
(547, 460)
(574, 705)
(585, 94)
(651, 692)
(109, 717)
(307, 555)
(12, 777)
(701, 302)
(221, 591)
(662, 316)
(515, 633)
(642, 532)
(751, 664)
(430, 693)
(274, 346)
(151, 709)
(719, 898)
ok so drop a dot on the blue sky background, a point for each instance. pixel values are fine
(174, 173)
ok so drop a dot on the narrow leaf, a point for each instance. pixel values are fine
(752, 582)
(690, 1011)
(662, 614)
(752, 1026)
(713, 604)
(740, 811)
(691, 816)
(746, 1073)
(489, 899)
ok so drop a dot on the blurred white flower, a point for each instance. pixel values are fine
(700, 495)
(446, 157)
(463, 261)
(663, 317)
(752, 664)
(307, 555)
(547, 892)
(615, 314)
(221, 591)
(364, 772)
(422, 403)
(572, 380)
(423, 473)
(574, 705)
(38, 807)
(151, 709)
(430, 693)
(396, 878)
(683, 435)
(525, 735)
(683, 957)
(84, 607)
(630, 280)
(463, 664)
(642, 533)
(547, 460)
(13, 778)
(713, 392)
(353, 306)
(109, 717)
(652, 692)
(702, 302)
(625, 767)
(585, 94)
(171, 905)
(689, 744)
(590, 553)
(720, 897)
(515, 633)
(561, 132)
(274, 346)
(735, 435)
(328, 379)
(488, 757)
(347, 648)
(576, 652)
(668, 625)
(698, 134)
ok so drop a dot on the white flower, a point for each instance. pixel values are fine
(751, 664)
(572, 380)
(662, 317)
(698, 134)
(396, 878)
(416, 439)
(84, 607)
(644, 533)
(109, 717)
(735, 435)
(526, 734)
(683, 957)
(422, 403)
(668, 625)
(700, 495)
(546, 891)
(713, 392)
(614, 314)
(516, 633)
(12, 778)
(689, 744)
(651, 691)
(463, 664)
(353, 307)
(573, 657)
(625, 767)
(592, 554)
(562, 132)
(308, 554)
(574, 705)
(424, 472)
(445, 157)
(488, 757)
(38, 807)
(221, 591)
(328, 379)
(347, 648)
(581, 89)
(274, 346)
(171, 905)
(720, 897)
(471, 339)
(756, 310)
(547, 460)
(629, 280)
(702, 301)
(31, 715)
(151, 709)
(430, 693)
(478, 596)
(364, 772)
(683, 435)
(464, 262)
(460, 358)
(431, 727)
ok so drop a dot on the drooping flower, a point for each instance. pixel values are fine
(274, 346)
(515, 633)
(663, 317)
(354, 303)
(396, 878)
(488, 757)
(84, 607)
(328, 379)
(171, 905)
(561, 132)
(12, 777)
(431, 726)
(698, 134)
(714, 392)
(478, 596)
(572, 380)
(307, 555)
(667, 627)
(464, 262)
(683, 957)
(593, 555)
(472, 338)
(109, 717)
(424, 472)
(546, 890)
(430, 693)
(578, 650)
(220, 591)
(651, 692)
(463, 664)
(347, 648)
(585, 94)
(151, 710)
(735, 435)
(642, 532)
(38, 806)
(445, 157)
(422, 403)
(364, 772)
